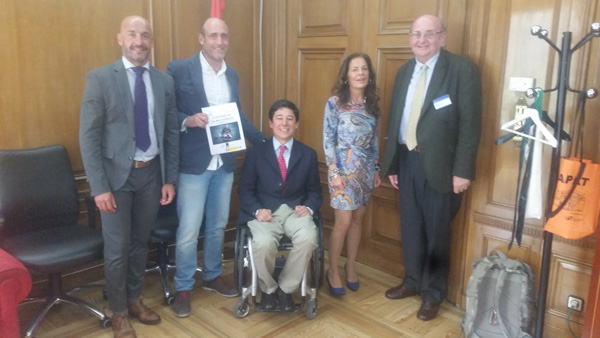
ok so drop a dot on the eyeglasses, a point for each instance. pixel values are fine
(429, 35)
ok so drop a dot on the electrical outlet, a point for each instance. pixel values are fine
(575, 303)
(520, 84)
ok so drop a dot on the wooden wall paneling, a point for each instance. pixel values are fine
(187, 17)
(486, 43)
(274, 61)
(239, 17)
(571, 268)
(48, 47)
(161, 18)
(397, 16)
(592, 312)
(317, 68)
(324, 18)
(381, 245)
(522, 50)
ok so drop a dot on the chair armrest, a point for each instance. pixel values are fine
(15, 284)
(12, 269)
(90, 204)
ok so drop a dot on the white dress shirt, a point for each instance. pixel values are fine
(411, 92)
(217, 92)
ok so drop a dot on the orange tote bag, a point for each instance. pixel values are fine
(576, 205)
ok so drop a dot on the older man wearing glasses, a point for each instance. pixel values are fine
(430, 155)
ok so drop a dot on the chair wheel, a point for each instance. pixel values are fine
(170, 300)
(106, 323)
(311, 308)
(241, 308)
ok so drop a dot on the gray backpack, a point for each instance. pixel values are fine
(500, 298)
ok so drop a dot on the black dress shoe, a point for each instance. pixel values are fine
(286, 302)
(428, 311)
(268, 301)
(400, 292)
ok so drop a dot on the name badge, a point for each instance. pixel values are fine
(442, 102)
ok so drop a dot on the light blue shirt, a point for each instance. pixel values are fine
(152, 151)
(411, 92)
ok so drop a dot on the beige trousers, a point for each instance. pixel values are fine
(265, 239)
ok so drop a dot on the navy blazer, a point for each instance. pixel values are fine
(194, 148)
(261, 185)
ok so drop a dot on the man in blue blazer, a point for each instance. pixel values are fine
(129, 178)
(430, 156)
(279, 191)
(205, 180)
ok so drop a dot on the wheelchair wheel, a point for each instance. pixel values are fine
(311, 308)
(106, 323)
(241, 308)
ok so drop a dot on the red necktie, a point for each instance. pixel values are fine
(282, 166)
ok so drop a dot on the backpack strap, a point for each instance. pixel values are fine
(480, 270)
(513, 266)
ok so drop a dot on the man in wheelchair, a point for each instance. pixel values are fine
(279, 191)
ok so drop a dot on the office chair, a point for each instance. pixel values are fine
(163, 234)
(38, 222)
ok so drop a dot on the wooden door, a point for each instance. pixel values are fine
(320, 34)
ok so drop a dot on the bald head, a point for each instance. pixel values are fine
(427, 37)
(433, 20)
(211, 22)
(135, 39)
(214, 39)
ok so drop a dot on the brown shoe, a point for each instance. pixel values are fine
(122, 326)
(428, 311)
(400, 292)
(219, 286)
(143, 313)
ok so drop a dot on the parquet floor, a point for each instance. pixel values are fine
(366, 313)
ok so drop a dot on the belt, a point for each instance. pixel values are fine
(141, 164)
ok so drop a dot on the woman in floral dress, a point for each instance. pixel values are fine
(352, 154)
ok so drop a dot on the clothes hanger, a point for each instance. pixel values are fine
(534, 115)
(564, 136)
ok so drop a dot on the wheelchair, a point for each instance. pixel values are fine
(246, 277)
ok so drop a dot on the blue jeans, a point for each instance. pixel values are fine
(210, 191)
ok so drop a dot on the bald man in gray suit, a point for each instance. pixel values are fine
(131, 158)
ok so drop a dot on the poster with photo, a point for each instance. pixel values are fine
(224, 129)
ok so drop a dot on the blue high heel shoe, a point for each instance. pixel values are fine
(334, 291)
(351, 285)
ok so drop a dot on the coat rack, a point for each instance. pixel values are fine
(562, 88)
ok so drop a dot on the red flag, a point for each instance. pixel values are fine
(216, 8)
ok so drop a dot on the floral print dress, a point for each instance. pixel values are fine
(350, 141)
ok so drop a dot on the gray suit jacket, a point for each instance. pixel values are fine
(448, 138)
(107, 131)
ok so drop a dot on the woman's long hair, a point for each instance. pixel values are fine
(342, 88)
